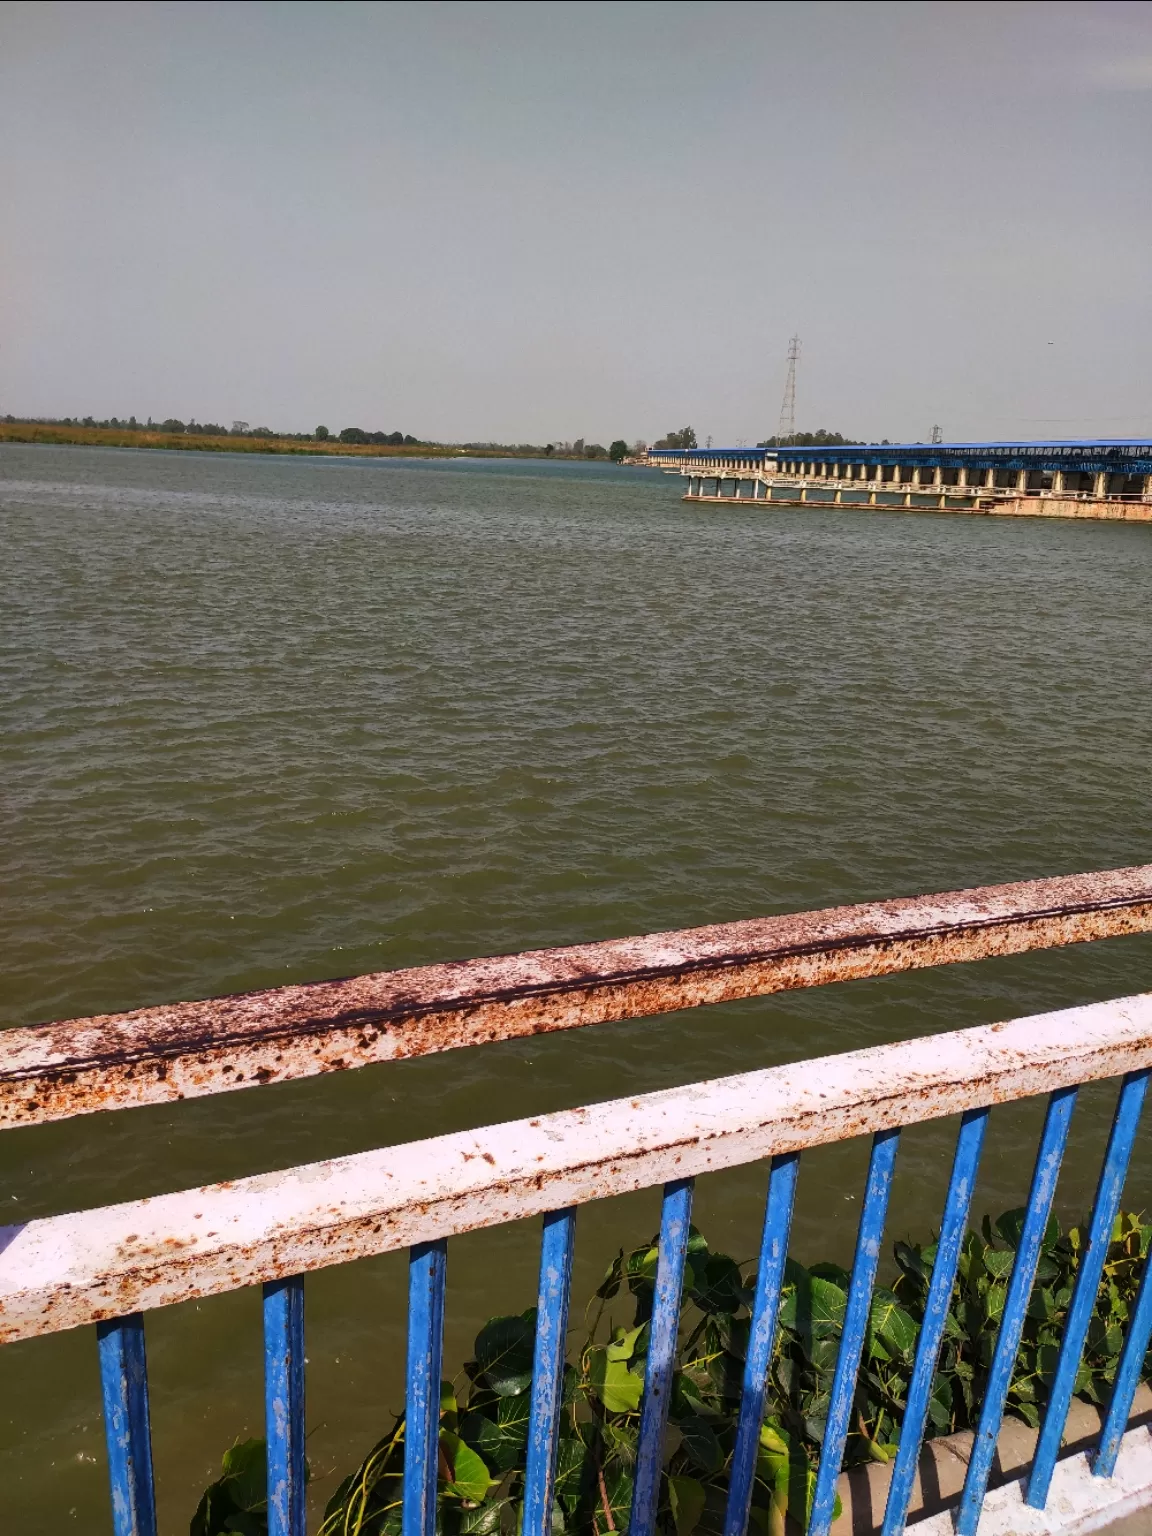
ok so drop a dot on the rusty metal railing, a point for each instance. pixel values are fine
(185, 1050)
(108, 1266)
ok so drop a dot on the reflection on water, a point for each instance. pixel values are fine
(268, 720)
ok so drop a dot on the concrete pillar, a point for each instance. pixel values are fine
(962, 475)
(1022, 481)
(1148, 485)
(938, 475)
(990, 478)
(1057, 482)
(915, 481)
(1100, 487)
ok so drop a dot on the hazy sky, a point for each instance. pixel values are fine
(535, 222)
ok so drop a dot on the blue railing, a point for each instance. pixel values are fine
(68, 1270)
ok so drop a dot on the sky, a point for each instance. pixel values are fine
(536, 222)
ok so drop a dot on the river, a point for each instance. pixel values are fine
(266, 719)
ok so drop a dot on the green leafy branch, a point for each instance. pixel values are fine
(484, 1415)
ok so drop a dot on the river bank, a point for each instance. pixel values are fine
(61, 435)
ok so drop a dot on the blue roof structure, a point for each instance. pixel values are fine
(1114, 455)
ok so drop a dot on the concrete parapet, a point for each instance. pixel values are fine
(1057, 506)
(936, 499)
(944, 1463)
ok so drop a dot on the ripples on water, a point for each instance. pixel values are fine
(268, 720)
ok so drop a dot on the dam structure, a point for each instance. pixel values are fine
(1094, 478)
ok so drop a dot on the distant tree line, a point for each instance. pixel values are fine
(819, 439)
(617, 452)
(685, 438)
(576, 449)
(170, 424)
(359, 435)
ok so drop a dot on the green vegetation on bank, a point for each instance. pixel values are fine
(484, 1413)
(210, 437)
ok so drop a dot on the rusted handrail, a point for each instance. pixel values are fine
(63, 1271)
(185, 1050)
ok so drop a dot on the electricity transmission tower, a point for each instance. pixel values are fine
(786, 429)
(937, 434)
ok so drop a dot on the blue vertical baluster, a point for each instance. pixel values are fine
(124, 1387)
(426, 1273)
(761, 1336)
(1053, 1139)
(548, 1370)
(284, 1404)
(1127, 1377)
(965, 1164)
(675, 1218)
(1107, 1203)
(881, 1164)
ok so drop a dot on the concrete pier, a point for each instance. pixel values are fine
(1089, 478)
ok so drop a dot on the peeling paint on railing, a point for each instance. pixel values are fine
(184, 1050)
(67, 1270)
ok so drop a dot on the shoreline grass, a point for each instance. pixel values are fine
(191, 442)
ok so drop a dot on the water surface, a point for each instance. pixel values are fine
(266, 720)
